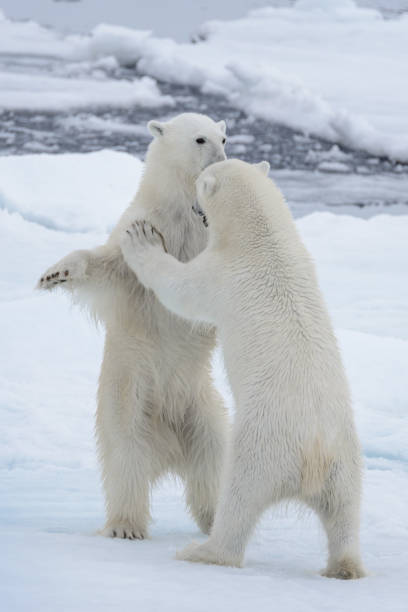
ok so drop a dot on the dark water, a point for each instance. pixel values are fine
(251, 139)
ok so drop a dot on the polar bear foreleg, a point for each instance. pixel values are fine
(75, 269)
(180, 287)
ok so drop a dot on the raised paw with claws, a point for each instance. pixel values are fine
(142, 234)
(140, 243)
(70, 269)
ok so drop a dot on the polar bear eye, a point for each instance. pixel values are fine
(200, 140)
(224, 140)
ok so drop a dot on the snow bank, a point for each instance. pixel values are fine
(71, 192)
(98, 124)
(27, 37)
(51, 501)
(26, 92)
(362, 266)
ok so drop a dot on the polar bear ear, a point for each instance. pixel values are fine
(263, 167)
(208, 185)
(155, 128)
(223, 126)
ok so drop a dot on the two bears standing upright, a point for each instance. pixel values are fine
(294, 434)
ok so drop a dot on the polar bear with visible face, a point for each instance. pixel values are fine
(294, 434)
(158, 410)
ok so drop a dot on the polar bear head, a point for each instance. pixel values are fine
(188, 143)
(229, 192)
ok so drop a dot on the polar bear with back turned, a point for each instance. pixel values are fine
(157, 410)
(294, 435)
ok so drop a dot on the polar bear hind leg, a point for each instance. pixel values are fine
(125, 457)
(249, 487)
(133, 449)
(203, 442)
(338, 507)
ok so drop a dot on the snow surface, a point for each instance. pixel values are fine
(51, 502)
(159, 16)
(22, 92)
(327, 68)
(112, 175)
(179, 19)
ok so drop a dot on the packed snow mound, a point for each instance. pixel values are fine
(50, 352)
(22, 91)
(70, 192)
(28, 37)
(360, 251)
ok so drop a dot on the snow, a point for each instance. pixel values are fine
(22, 187)
(22, 91)
(29, 37)
(64, 201)
(271, 64)
(97, 124)
(328, 68)
(323, 67)
(156, 15)
(51, 501)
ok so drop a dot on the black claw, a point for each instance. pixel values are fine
(62, 281)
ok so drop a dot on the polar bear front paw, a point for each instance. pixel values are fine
(140, 236)
(124, 530)
(139, 244)
(70, 269)
(207, 553)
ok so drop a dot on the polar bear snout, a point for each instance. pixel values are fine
(220, 156)
(215, 156)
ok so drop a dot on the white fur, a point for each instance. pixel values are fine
(294, 434)
(158, 410)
